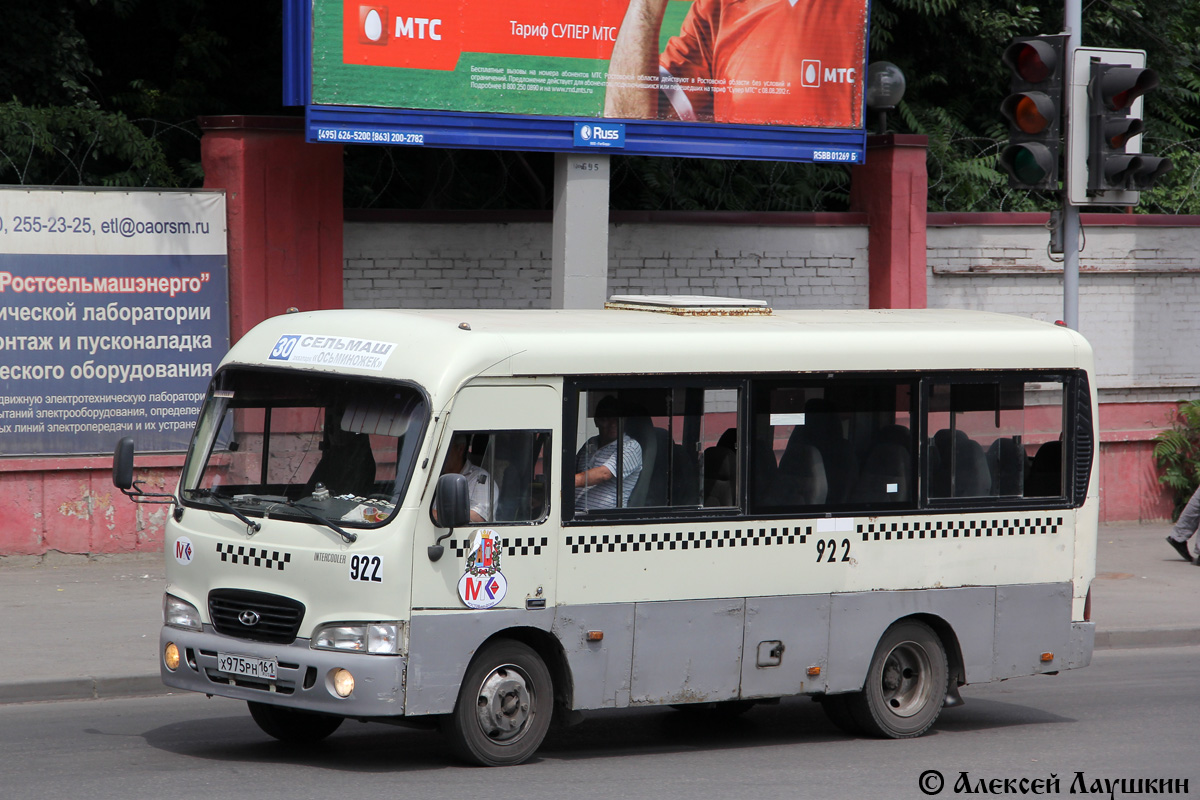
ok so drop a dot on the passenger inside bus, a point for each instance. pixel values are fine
(481, 488)
(347, 465)
(596, 463)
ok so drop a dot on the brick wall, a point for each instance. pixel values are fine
(1138, 290)
(507, 265)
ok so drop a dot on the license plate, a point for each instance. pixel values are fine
(248, 666)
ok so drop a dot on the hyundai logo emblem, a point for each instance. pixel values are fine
(249, 618)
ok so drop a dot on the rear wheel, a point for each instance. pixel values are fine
(291, 726)
(504, 706)
(906, 685)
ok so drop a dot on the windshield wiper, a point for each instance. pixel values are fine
(251, 525)
(349, 537)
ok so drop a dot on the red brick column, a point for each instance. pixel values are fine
(284, 206)
(892, 188)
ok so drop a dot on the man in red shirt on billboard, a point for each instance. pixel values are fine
(756, 62)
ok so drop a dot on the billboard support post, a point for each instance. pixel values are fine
(579, 250)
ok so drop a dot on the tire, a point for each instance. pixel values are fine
(906, 685)
(504, 706)
(837, 708)
(291, 726)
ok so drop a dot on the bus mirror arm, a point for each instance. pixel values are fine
(452, 508)
(122, 476)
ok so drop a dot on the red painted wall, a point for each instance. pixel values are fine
(284, 212)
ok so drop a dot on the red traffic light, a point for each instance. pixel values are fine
(1032, 61)
(1120, 86)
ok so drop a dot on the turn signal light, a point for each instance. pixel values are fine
(1047, 657)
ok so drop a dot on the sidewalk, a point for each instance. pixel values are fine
(75, 628)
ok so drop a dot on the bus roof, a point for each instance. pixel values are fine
(442, 348)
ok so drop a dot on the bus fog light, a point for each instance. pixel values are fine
(342, 682)
(171, 656)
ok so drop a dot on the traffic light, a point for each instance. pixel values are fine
(1112, 163)
(1033, 109)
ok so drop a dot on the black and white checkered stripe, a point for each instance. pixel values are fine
(253, 556)
(681, 540)
(959, 529)
(518, 546)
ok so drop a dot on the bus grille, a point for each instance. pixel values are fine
(278, 618)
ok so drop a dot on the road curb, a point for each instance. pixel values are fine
(82, 689)
(1132, 638)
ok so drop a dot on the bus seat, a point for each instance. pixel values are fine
(720, 476)
(1006, 460)
(801, 479)
(965, 456)
(347, 465)
(823, 429)
(1045, 473)
(685, 477)
(888, 464)
(651, 486)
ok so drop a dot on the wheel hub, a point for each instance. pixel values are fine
(906, 679)
(504, 708)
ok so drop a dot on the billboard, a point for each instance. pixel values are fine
(718, 78)
(113, 315)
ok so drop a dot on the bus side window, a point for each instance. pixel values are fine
(505, 471)
(995, 439)
(656, 447)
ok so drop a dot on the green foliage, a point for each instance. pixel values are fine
(1177, 452)
(106, 92)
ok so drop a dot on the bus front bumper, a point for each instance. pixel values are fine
(304, 677)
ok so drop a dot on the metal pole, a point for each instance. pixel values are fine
(1072, 25)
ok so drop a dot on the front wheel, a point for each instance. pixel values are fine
(291, 726)
(504, 706)
(906, 685)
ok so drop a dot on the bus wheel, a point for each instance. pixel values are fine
(906, 685)
(291, 726)
(504, 706)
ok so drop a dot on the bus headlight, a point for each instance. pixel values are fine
(180, 613)
(377, 638)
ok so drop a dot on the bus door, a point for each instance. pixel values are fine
(500, 438)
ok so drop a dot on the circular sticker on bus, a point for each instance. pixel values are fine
(483, 585)
(183, 550)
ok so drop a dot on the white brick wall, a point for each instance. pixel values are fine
(1138, 300)
(507, 265)
(1139, 289)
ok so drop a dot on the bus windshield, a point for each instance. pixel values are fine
(287, 444)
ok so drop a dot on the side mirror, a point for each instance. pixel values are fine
(123, 477)
(452, 507)
(452, 501)
(122, 473)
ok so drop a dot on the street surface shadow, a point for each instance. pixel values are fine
(381, 748)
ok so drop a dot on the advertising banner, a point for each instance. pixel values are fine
(113, 315)
(797, 63)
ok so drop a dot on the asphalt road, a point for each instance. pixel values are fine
(1132, 714)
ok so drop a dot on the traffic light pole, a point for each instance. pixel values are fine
(1072, 24)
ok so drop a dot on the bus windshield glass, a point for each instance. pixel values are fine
(292, 445)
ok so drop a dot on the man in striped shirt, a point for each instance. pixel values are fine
(602, 458)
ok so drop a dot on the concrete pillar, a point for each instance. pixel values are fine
(284, 206)
(579, 250)
(892, 187)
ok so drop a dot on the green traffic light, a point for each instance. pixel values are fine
(1031, 164)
